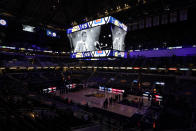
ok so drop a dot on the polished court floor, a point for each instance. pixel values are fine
(81, 97)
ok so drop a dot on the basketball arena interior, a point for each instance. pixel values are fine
(85, 65)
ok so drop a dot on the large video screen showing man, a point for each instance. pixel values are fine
(106, 35)
(118, 38)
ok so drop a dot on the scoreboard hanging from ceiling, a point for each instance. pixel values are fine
(98, 35)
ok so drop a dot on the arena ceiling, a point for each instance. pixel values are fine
(61, 13)
(57, 12)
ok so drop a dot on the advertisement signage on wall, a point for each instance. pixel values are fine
(98, 54)
(97, 22)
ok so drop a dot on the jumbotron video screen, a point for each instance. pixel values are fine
(102, 35)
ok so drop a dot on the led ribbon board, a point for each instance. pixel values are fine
(98, 22)
(165, 53)
(92, 54)
(97, 54)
